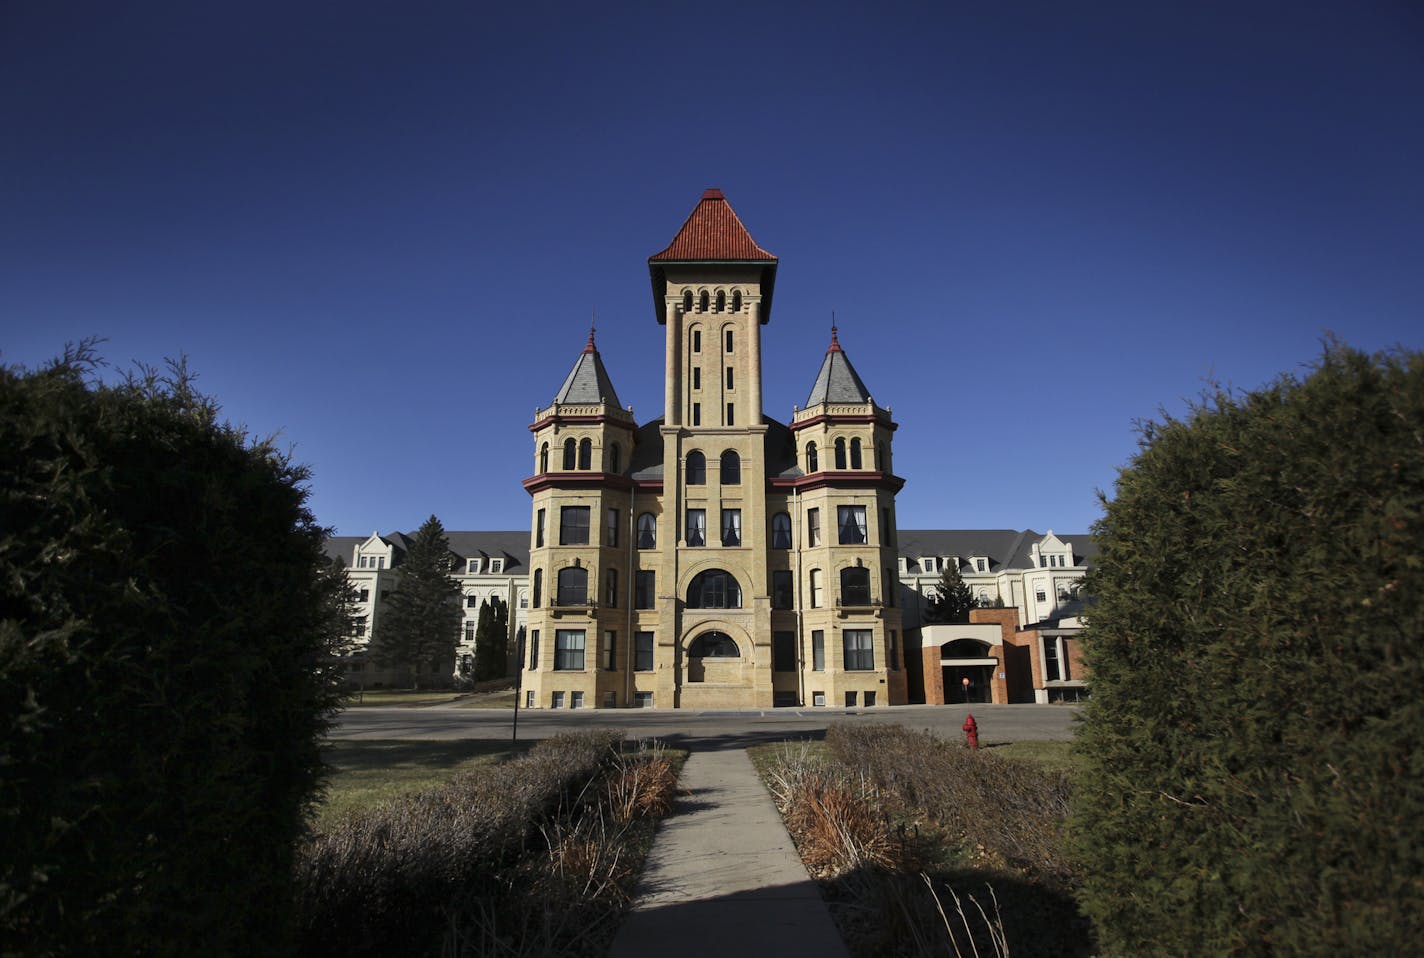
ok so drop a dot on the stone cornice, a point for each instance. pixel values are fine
(576, 480)
(837, 480)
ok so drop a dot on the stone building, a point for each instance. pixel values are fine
(713, 557)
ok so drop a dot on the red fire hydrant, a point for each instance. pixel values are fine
(971, 732)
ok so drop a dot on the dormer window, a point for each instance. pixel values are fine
(496, 565)
(929, 564)
(472, 566)
(981, 564)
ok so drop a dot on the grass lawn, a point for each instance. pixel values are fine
(378, 697)
(503, 699)
(1055, 755)
(369, 772)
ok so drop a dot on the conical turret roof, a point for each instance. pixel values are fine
(837, 381)
(588, 381)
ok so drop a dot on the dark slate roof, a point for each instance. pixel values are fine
(342, 547)
(1006, 548)
(779, 450)
(713, 231)
(588, 381)
(837, 381)
(646, 462)
(510, 546)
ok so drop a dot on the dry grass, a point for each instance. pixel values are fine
(369, 772)
(377, 698)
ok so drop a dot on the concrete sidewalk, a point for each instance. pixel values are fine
(723, 877)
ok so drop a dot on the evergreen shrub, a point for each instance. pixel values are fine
(164, 612)
(1254, 781)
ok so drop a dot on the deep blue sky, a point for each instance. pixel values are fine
(381, 229)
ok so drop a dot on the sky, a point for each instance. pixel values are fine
(381, 231)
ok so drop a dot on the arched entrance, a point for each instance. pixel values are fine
(968, 659)
(712, 652)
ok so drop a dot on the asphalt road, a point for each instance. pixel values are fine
(703, 730)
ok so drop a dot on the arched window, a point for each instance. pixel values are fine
(855, 586)
(696, 337)
(714, 645)
(544, 458)
(964, 649)
(813, 464)
(615, 459)
(647, 531)
(731, 468)
(840, 454)
(880, 464)
(538, 596)
(781, 531)
(736, 301)
(687, 301)
(570, 454)
(721, 301)
(855, 454)
(573, 586)
(696, 469)
(714, 589)
(702, 301)
(586, 454)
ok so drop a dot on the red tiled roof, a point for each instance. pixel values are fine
(715, 232)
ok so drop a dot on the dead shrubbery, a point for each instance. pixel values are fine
(532, 856)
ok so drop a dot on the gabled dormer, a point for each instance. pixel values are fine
(376, 552)
(1051, 552)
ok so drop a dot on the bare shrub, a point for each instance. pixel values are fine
(642, 784)
(832, 815)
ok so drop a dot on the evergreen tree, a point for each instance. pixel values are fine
(1253, 781)
(492, 640)
(952, 599)
(420, 627)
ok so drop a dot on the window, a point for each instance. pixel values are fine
(573, 525)
(556, 700)
(647, 531)
(697, 527)
(713, 645)
(855, 586)
(818, 651)
(615, 458)
(568, 650)
(496, 565)
(539, 529)
(817, 589)
(544, 458)
(610, 700)
(894, 650)
(702, 301)
(575, 700)
(610, 529)
(529, 699)
(610, 589)
(729, 377)
(859, 650)
(714, 589)
(643, 589)
(851, 522)
(472, 602)
(850, 700)
(573, 587)
(697, 414)
(643, 652)
(1062, 592)
(687, 301)
(729, 341)
(812, 463)
(358, 626)
(781, 531)
(363, 596)
(696, 333)
(1052, 671)
(813, 527)
(869, 698)
(696, 377)
(721, 301)
(523, 599)
(1039, 593)
(570, 454)
(855, 460)
(980, 565)
(927, 564)
(736, 301)
(533, 651)
(731, 415)
(783, 651)
(840, 454)
(538, 587)
(610, 650)
(818, 699)
(887, 527)
(696, 469)
(586, 454)
(643, 700)
(731, 468)
(731, 527)
(781, 586)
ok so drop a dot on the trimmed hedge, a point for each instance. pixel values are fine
(1255, 782)
(164, 607)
